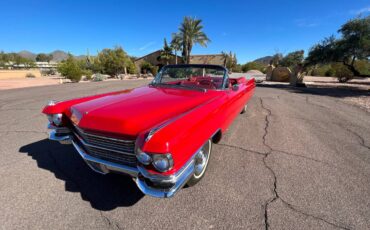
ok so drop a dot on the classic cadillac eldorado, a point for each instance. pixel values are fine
(160, 134)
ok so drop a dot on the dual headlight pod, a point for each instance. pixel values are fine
(56, 119)
(161, 162)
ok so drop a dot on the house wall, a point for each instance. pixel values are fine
(153, 59)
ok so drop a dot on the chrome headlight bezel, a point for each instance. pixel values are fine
(56, 119)
(162, 162)
(143, 157)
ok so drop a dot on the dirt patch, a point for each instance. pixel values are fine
(27, 82)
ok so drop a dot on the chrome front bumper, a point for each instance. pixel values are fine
(140, 175)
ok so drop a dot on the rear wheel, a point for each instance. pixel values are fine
(201, 163)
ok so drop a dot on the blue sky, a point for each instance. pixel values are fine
(252, 29)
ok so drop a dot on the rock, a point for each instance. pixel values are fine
(281, 74)
(99, 77)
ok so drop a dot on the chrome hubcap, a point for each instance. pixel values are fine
(201, 159)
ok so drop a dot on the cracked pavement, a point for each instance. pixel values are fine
(297, 159)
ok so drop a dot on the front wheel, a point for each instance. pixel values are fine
(201, 163)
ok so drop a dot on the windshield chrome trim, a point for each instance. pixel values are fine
(157, 78)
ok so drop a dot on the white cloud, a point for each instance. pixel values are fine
(361, 11)
(146, 46)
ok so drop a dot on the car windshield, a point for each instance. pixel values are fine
(191, 76)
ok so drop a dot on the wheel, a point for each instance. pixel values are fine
(201, 163)
(244, 109)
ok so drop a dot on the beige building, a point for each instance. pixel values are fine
(153, 58)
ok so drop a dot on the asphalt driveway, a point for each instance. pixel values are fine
(297, 159)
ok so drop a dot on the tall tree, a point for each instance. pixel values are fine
(353, 45)
(166, 52)
(114, 61)
(292, 59)
(176, 44)
(190, 34)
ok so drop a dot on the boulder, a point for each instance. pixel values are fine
(281, 74)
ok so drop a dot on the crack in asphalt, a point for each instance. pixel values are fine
(111, 224)
(360, 138)
(276, 195)
(244, 149)
(312, 103)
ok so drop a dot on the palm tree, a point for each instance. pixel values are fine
(166, 53)
(190, 34)
(176, 44)
(225, 56)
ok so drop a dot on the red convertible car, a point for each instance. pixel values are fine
(160, 134)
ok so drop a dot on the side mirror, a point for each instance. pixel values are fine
(235, 87)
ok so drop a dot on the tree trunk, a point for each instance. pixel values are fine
(188, 53)
(352, 68)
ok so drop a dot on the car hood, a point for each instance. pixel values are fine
(132, 111)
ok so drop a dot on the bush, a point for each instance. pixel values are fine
(87, 73)
(342, 72)
(154, 70)
(30, 75)
(131, 69)
(253, 66)
(70, 69)
(330, 72)
(320, 70)
(98, 77)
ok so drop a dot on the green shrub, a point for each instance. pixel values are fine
(320, 70)
(131, 69)
(70, 69)
(87, 73)
(154, 70)
(363, 66)
(253, 66)
(330, 72)
(98, 77)
(342, 72)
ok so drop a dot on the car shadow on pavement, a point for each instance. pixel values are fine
(104, 192)
(321, 91)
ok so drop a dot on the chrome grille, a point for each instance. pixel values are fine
(107, 148)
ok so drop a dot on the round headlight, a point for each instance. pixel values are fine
(144, 158)
(57, 118)
(162, 162)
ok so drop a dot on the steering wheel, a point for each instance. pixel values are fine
(208, 83)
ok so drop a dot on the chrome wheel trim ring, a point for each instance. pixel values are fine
(201, 160)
